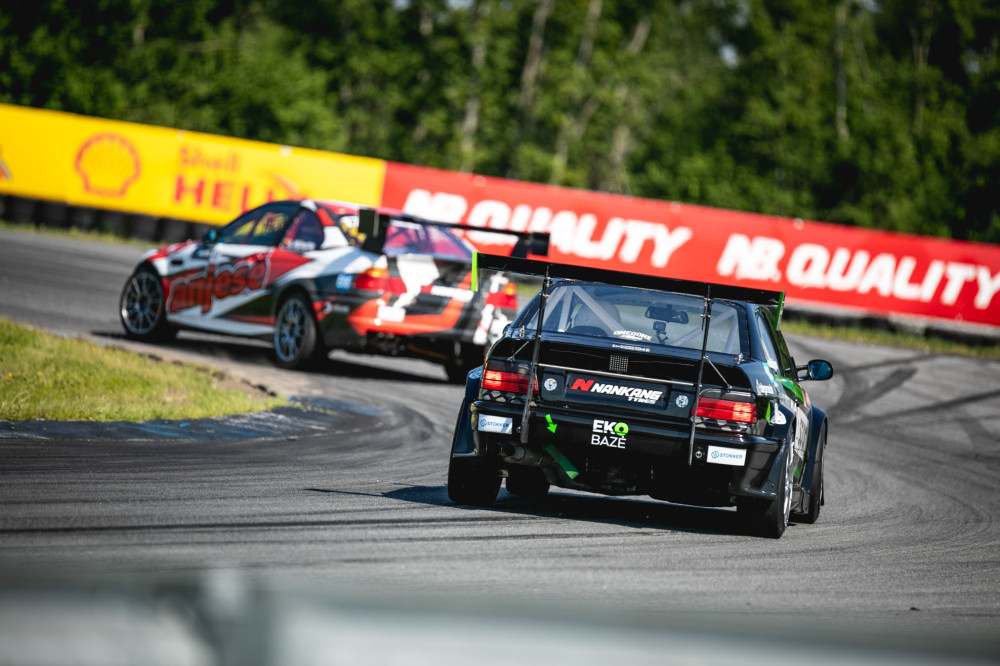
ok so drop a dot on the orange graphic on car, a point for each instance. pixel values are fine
(108, 163)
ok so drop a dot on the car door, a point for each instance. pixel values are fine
(232, 293)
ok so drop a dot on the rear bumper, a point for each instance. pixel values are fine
(656, 452)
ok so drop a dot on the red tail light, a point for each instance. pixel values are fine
(378, 279)
(727, 410)
(506, 377)
(506, 299)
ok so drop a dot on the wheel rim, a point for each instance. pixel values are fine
(142, 303)
(787, 497)
(290, 330)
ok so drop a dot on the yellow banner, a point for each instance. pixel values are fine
(99, 163)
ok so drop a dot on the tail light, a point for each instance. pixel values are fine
(727, 410)
(505, 298)
(507, 377)
(378, 279)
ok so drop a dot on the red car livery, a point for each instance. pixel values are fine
(312, 276)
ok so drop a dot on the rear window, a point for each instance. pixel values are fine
(640, 316)
(412, 238)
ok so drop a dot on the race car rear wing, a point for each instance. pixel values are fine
(373, 223)
(548, 271)
(545, 269)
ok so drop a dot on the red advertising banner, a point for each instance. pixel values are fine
(814, 262)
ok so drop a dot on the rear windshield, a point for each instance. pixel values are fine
(641, 316)
(404, 237)
(412, 238)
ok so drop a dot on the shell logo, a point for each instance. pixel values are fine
(108, 163)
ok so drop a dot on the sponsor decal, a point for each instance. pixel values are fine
(721, 455)
(551, 384)
(463, 295)
(887, 275)
(778, 418)
(682, 401)
(499, 424)
(633, 335)
(609, 433)
(344, 281)
(764, 389)
(218, 282)
(389, 313)
(817, 262)
(108, 164)
(632, 393)
(637, 348)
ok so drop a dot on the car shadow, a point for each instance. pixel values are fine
(627, 512)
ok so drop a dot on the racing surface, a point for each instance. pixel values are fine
(352, 501)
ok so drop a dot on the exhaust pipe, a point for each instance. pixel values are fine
(520, 455)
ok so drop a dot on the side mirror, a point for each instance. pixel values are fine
(816, 369)
(210, 237)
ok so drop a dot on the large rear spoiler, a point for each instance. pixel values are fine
(373, 224)
(707, 291)
(545, 269)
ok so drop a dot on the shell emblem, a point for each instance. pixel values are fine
(108, 164)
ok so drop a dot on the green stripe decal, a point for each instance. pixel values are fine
(777, 315)
(793, 387)
(475, 271)
(563, 461)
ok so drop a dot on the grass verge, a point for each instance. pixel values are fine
(43, 376)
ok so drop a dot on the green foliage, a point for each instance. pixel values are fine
(878, 114)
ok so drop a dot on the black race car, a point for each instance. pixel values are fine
(639, 385)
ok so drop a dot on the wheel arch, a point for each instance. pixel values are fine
(287, 291)
(817, 435)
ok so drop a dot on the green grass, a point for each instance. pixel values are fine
(47, 377)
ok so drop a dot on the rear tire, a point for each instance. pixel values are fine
(528, 483)
(143, 307)
(769, 518)
(472, 480)
(816, 485)
(296, 336)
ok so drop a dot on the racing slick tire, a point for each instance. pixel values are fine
(473, 481)
(816, 485)
(143, 308)
(296, 337)
(527, 483)
(769, 518)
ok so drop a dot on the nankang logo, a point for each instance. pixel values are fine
(633, 394)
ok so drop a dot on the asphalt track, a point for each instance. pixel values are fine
(347, 509)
